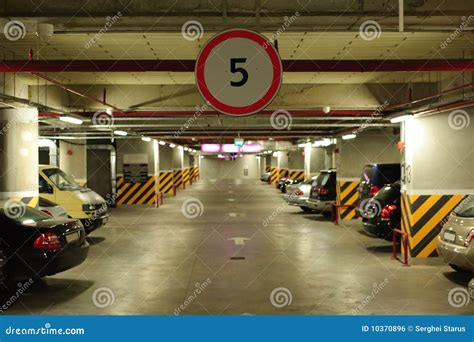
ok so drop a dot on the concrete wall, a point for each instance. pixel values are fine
(134, 146)
(73, 159)
(213, 168)
(317, 160)
(369, 147)
(296, 160)
(439, 153)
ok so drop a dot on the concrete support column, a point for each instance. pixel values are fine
(307, 160)
(282, 164)
(296, 164)
(436, 174)
(73, 159)
(19, 155)
(178, 162)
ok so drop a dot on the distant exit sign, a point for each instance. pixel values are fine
(239, 142)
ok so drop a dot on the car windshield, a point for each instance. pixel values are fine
(323, 178)
(387, 194)
(23, 214)
(466, 208)
(61, 179)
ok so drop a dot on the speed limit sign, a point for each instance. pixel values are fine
(238, 72)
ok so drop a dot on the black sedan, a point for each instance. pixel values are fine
(382, 213)
(33, 244)
(284, 182)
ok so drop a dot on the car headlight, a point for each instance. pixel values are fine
(88, 207)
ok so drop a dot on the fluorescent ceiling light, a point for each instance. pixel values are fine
(210, 148)
(251, 148)
(186, 149)
(122, 133)
(70, 119)
(401, 118)
(161, 142)
(172, 145)
(302, 145)
(147, 139)
(348, 136)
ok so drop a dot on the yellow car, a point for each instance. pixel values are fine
(79, 202)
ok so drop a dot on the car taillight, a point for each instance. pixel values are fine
(47, 241)
(373, 190)
(299, 193)
(469, 238)
(323, 191)
(387, 212)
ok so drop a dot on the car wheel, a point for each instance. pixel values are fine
(306, 209)
(458, 269)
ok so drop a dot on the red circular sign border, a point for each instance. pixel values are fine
(264, 100)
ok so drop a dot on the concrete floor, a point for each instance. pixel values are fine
(150, 261)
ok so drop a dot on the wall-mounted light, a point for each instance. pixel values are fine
(302, 145)
(146, 139)
(70, 119)
(172, 145)
(326, 109)
(161, 142)
(348, 136)
(401, 118)
(122, 133)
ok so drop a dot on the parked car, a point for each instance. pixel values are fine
(297, 194)
(35, 244)
(281, 181)
(382, 213)
(285, 185)
(265, 176)
(323, 192)
(51, 208)
(456, 239)
(375, 176)
(79, 202)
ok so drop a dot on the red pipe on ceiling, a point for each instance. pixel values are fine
(188, 65)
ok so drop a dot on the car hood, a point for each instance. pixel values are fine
(88, 196)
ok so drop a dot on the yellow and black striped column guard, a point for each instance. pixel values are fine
(186, 176)
(166, 182)
(268, 168)
(422, 217)
(296, 174)
(274, 175)
(136, 193)
(347, 195)
(31, 201)
(178, 178)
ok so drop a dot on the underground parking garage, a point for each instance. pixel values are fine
(189, 160)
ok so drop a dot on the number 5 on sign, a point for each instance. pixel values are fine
(239, 72)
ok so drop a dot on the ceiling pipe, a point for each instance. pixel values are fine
(35, 66)
(75, 92)
(441, 93)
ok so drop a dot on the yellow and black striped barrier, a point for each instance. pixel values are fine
(347, 197)
(195, 173)
(166, 182)
(422, 219)
(186, 176)
(283, 173)
(296, 174)
(178, 178)
(31, 201)
(136, 193)
(268, 168)
(274, 175)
